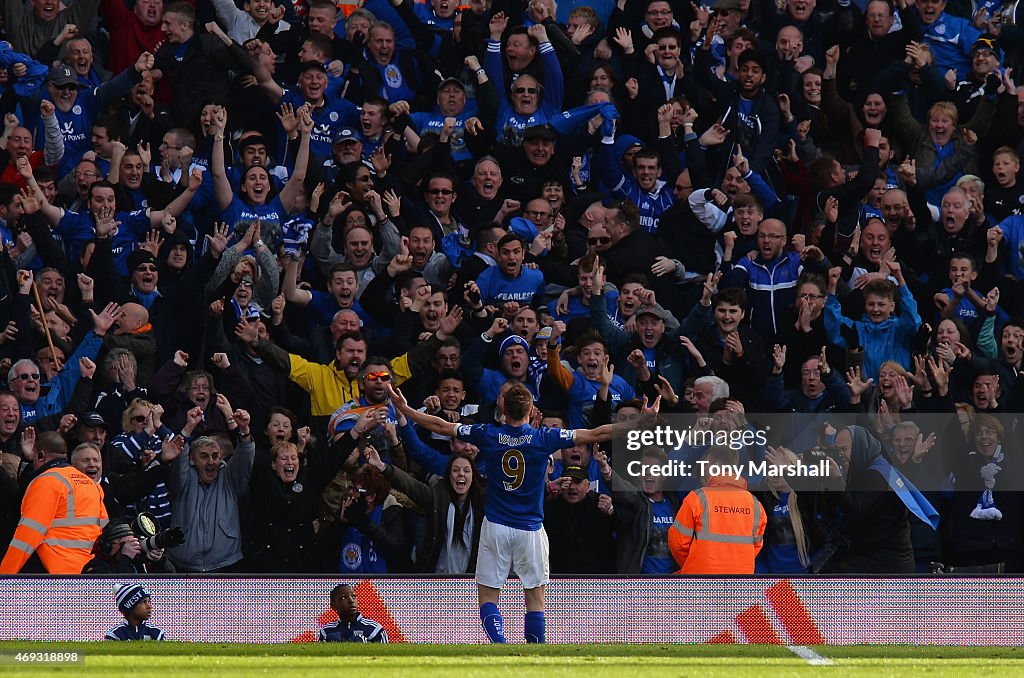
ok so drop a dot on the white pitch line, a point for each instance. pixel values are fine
(809, 655)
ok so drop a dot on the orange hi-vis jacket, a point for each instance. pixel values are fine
(62, 515)
(718, 530)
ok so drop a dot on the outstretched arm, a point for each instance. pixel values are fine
(427, 421)
(586, 436)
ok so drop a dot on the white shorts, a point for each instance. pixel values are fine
(503, 548)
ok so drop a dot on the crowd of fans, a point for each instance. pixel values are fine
(238, 224)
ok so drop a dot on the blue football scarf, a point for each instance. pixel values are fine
(26, 85)
(573, 120)
(915, 501)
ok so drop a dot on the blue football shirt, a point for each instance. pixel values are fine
(517, 462)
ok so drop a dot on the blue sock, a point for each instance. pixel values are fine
(534, 627)
(494, 625)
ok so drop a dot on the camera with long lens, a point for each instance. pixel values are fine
(151, 538)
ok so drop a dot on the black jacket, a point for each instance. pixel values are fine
(581, 536)
(633, 523)
(202, 73)
(278, 531)
(434, 500)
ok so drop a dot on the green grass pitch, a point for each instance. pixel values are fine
(168, 660)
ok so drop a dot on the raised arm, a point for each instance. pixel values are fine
(52, 214)
(293, 294)
(427, 421)
(264, 78)
(294, 185)
(221, 186)
(179, 204)
(648, 416)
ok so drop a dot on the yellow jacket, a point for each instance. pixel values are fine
(328, 387)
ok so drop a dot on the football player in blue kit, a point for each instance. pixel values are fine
(512, 534)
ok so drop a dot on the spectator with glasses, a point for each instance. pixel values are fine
(136, 449)
(526, 102)
(24, 377)
(770, 278)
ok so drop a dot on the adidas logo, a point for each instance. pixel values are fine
(754, 625)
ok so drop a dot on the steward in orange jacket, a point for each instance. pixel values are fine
(62, 514)
(718, 530)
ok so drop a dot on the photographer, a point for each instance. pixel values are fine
(374, 536)
(119, 551)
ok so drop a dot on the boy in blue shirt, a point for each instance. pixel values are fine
(882, 336)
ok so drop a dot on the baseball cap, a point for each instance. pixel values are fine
(345, 134)
(452, 81)
(574, 472)
(92, 419)
(543, 333)
(61, 75)
(540, 132)
(656, 311)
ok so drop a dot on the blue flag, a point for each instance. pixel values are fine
(28, 84)
(915, 501)
(571, 121)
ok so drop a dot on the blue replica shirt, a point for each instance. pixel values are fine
(77, 228)
(495, 286)
(6, 237)
(133, 229)
(578, 310)
(76, 128)
(517, 461)
(583, 393)
(328, 119)
(125, 631)
(434, 122)
(950, 39)
(239, 216)
(425, 13)
(650, 203)
(362, 630)
(780, 555)
(657, 558)
(1013, 232)
(73, 231)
